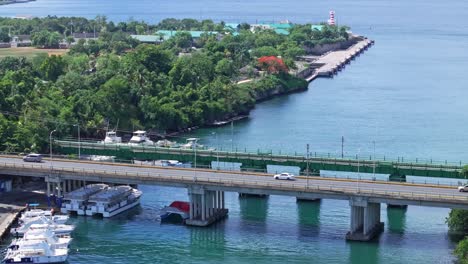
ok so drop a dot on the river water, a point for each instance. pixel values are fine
(405, 96)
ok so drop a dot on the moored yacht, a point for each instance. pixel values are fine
(76, 201)
(140, 138)
(192, 143)
(112, 201)
(32, 213)
(34, 236)
(40, 224)
(35, 252)
(112, 138)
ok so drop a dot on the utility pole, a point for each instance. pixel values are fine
(50, 140)
(342, 146)
(374, 160)
(232, 136)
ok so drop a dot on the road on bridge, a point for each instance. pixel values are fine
(321, 183)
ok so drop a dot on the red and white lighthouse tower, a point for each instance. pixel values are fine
(331, 20)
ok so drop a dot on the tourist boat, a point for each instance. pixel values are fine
(112, 201)
(176, 212)
(35, 252)
(192, 143)
(111, 138)
(140, 138)
(76, 201)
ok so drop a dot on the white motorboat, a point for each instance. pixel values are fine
(164, 143)
(111, 138)
(140, 138)
(34, 213)
(35, 252)
(34, 236)
(58, 219)
(77, 200)
(39, 220)
(58, 229)
(113, 201)
(191, 144)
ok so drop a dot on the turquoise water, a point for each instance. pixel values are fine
(407, 93)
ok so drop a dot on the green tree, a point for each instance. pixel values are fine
(458, 221)
(183, 40)
(462, 251)
(52, 67)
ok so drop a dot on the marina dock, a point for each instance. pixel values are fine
(330, 63)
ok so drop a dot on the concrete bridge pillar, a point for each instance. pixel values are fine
(365, 220)
(206, 206)
(397, 176)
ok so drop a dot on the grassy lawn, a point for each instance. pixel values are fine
(29, 52)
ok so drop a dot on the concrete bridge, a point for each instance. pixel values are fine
(206, 188)
(397, 169)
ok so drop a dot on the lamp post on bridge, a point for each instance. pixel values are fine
(50, 140)
(217, 150)
(359, 175)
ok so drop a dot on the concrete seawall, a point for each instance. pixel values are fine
(330, 63)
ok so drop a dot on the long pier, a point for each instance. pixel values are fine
(329, 64)
(206, 189)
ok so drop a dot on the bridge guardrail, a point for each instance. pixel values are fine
(256, 170)
(312, 155)
(274, 185)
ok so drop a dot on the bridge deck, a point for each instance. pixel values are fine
(395, 193)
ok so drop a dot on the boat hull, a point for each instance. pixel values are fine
(37, 260)
(115, 212)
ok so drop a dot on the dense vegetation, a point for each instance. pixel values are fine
(115, 79)
(458, 223)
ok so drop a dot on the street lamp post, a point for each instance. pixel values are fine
(50, 139)
(79, 141)
(359, 175)
(374, 160)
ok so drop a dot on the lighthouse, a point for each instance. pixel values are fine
(331, 20)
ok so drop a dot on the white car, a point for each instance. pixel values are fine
(463, 188)
(33, 158)
(284, 176)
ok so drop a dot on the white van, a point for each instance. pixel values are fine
(33, 158)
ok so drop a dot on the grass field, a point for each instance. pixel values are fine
(29, 52)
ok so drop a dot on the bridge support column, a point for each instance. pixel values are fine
(365, 220)
(206, 206)
(396, 176)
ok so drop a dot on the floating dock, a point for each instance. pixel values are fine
(330, 63)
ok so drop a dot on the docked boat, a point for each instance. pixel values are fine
(112, 201)
(42, 224)
(31, 213)
(140, 138)
(34, 236)
(35, 252)
(191, 144)
(57, 219)
(164, 143)
(176, 212)
(77, 200)
(112, 138)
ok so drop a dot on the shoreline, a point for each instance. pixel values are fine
(324, 66)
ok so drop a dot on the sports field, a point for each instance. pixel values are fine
(29, 52)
